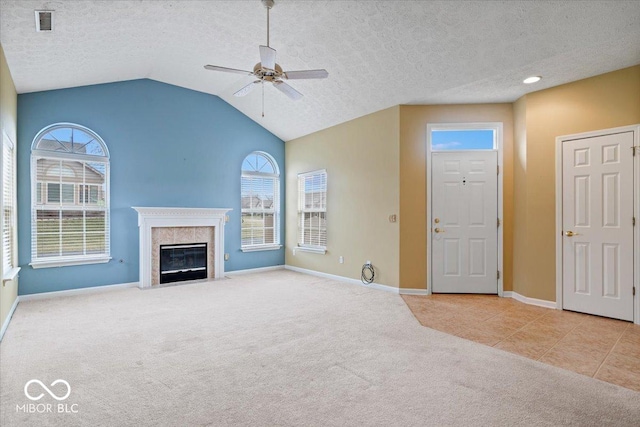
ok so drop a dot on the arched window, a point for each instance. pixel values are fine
(260, 202)
(69, 197)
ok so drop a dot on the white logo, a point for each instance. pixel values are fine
(52, 394)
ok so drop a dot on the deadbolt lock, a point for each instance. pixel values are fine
(437, 220)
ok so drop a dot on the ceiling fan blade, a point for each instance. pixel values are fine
(306, 74)
(268, 57)
(227, 70)
(287, 90)
(245, 90)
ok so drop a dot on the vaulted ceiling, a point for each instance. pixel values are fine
(378, 53)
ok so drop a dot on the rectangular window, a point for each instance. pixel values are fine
(312, 210)
(71, 218)
(259, 211)
(462, 139)
(8, 205)
(60, 193)
(88, 194)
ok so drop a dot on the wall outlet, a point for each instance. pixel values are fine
(294, 251)
(226, 257)
(341, 259)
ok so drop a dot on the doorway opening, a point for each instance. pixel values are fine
(464, 208)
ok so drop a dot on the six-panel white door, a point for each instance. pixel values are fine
(597, 211)
(464, 234)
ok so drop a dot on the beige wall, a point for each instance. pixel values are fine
(520, 273)
(413, 182)
(361, 159)
(600, 102)
(8, 124)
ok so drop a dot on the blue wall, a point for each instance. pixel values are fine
(169, 146)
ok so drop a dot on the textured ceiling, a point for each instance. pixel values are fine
(378, 53)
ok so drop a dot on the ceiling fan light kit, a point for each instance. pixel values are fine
(267, 70)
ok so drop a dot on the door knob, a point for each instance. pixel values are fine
(437, 230)
(570, 233)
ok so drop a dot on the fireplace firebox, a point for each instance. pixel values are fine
(183, 262)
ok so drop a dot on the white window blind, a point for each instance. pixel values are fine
(70, 197)
(312, 209)
(260, 202)
(8, 205)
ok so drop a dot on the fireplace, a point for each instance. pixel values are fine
(177, 227)
(183, 262)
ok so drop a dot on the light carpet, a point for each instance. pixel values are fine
(277, 349)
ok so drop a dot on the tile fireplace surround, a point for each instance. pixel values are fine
(179, 225)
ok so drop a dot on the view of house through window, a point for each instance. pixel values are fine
(463, 139)
(70, 201)
(260, 204)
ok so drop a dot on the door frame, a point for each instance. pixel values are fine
(497, 128)
(636, 209)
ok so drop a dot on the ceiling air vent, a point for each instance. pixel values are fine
(44, 20)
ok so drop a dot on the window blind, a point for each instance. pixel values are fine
(312, 209)
(8, 207)
(259, 195)
(70, 215)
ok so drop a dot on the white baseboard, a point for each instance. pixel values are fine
(69, 292)
(409, 291)
(378, 286)
(5, 325)
(531, 301)
(253, 270)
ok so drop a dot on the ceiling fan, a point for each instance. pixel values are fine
(268, 71)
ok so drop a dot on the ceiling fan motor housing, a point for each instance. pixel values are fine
(267, 74)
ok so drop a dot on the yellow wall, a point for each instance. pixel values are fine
(8, 124)
(413, 182)
(361, 159)
(601, 102)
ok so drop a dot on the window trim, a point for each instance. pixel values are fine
(276, 245)
(12, 272)
(317, 249)
(69, 260)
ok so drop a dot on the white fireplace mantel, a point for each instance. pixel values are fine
(149, 218)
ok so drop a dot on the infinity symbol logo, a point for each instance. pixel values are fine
(38, 397)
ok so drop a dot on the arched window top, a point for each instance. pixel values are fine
(260, 162)
(70, 139)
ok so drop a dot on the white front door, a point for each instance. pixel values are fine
(597, 225)
(464, 229)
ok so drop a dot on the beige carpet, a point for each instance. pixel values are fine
(277, 349)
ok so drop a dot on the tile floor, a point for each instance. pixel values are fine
(599, 347)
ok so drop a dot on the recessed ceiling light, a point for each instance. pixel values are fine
(532, 79)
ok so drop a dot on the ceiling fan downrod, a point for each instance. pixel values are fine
(268, 4)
